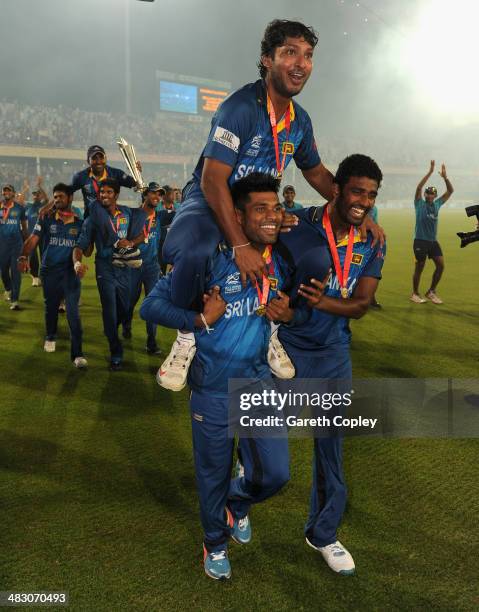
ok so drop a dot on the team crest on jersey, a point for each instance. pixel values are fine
(73, 231)
(53, 229)
(357, 259)
(288, 148)
(123, 221)
(233, 283)
(227, 139)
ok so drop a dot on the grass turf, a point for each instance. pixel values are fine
(97, 487)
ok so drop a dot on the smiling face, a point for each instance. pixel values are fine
(262, 217)
(108, 197)
(355, 199)
(62, 200)
(290, 67)
(97, 163)
(8, 194)
(152, 198)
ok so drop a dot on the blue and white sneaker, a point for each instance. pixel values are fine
(240, 528)
(337, 557)
(217, 565)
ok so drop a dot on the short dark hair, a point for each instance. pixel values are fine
(357, 165)
(64, 188)
(276, 33)
(255, 182)
(111, 182)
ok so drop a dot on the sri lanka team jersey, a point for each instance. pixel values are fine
(427, 219)
(237, 348)
(31, 214)
(149, 248)
(308, 245)
(90, 186)
(120, 221)
(11, 223)
(59, 235)
(241, 137)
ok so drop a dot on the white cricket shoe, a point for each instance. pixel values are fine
(80, 362)
(36, 282)
(49, 346)
(278, 359)
(337, 557)
(435, 299)
(7, 296)
(14, 306)
(174, 370)
(417, 299)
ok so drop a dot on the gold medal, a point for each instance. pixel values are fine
(261, 310)
(344, 292)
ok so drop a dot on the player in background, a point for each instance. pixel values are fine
(425, 235)
(288, 202)
(13, 231)
(32, 209)
(328, 238)
(148, 274)
(58, 234)
(112, 276)
(165, 217)
(232, 335)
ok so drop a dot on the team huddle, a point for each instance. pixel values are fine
(256, 288)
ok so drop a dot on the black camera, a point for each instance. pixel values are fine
(468, 237)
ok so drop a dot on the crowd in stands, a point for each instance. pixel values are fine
(74, 128)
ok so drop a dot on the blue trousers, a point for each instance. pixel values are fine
(266, 465)
(190, 242)
(114, 289)
(58, 285)
(147, 276)
(328, 491)
(35, 259)
(11, 277)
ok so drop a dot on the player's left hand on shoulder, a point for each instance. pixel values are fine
(378, 233)
(279, 309)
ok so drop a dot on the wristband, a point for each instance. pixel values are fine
(22, 258)
(207, 327)
(238, 246)
(77, 265)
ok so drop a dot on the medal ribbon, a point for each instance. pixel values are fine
(117, 217)
(274, 129)
(340, 273)
(264, 291)
(146, 232)
(6, 212)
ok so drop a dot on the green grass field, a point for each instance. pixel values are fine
(97, 489)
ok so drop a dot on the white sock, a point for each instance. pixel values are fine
(185, 336)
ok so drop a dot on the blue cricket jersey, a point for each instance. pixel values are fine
(309, 247)
(427, 219)
(11, 223)
(59, 237)
(241, 137)
(90, 186)
(237, 348)
(31, 214)
(149, 249)
(120, 221)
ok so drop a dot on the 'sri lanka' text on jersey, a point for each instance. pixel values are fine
(11, 222)
(308, 245)
(59, 238)
(120, 221)
(241, 137)
(237, 348)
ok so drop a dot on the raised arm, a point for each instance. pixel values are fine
(320, 179)
(422, 182)
(449, 188)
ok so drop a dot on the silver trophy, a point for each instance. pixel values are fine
(129, 155)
